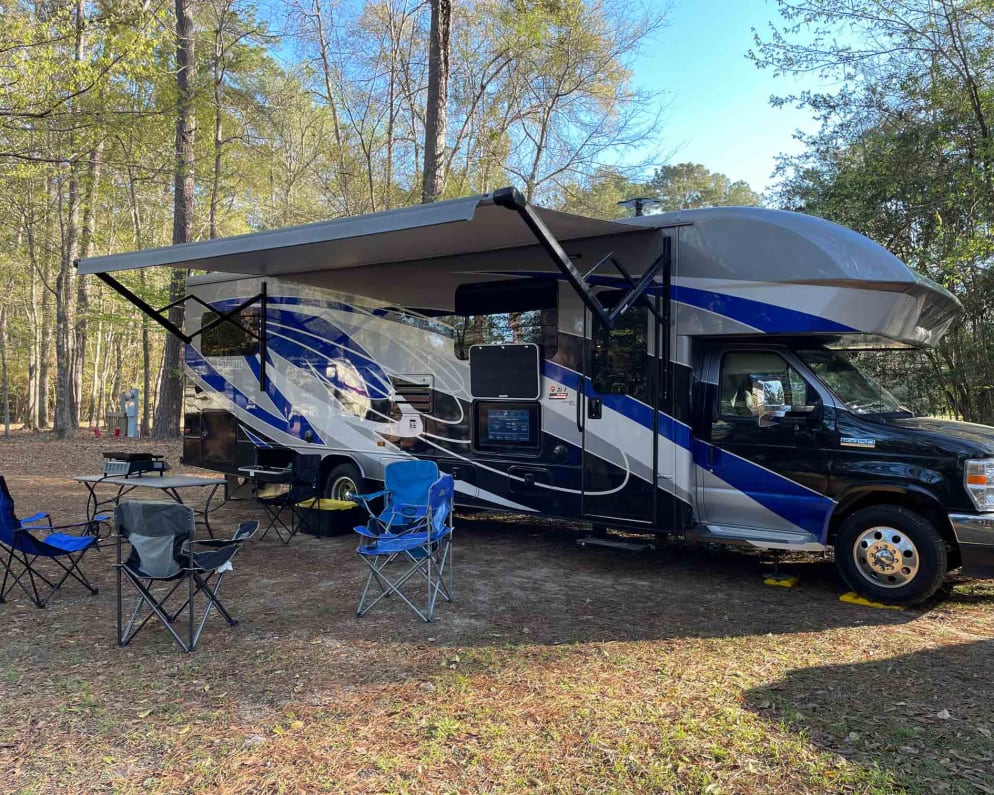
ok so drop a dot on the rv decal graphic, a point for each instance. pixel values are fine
(318, 349)
(849, 441)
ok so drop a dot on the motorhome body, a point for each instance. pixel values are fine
(714, 403)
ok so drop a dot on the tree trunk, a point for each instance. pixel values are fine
(34, 315)
(4, 310)
(167, 409)
(217, 69)
(65, 314)
(82, 282)
(66, 394)
(433, 178)
(92, 409)
(47, 255)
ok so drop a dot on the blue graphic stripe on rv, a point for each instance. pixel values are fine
(222, 386)
(296, 424)
(258, 441)
(769, 318)
(396, 314)
(799, 505)
(302, 336)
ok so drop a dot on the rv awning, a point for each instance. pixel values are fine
(459, 226)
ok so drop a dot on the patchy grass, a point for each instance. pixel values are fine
(556, 670)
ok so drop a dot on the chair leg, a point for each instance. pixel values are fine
(191, 595)
(25, 562)
(6, 574)
(393, 586)
(185, 615)
(276, 522)
(75, 572)
(147, 597)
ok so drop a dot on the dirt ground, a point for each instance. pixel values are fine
(557, 669)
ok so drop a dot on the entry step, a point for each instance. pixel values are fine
(615, 543)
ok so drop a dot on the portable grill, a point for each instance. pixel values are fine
(128, 464)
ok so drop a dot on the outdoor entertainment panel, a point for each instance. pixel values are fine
(507, 426)
(505, 371)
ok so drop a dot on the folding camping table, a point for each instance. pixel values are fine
(170, 485)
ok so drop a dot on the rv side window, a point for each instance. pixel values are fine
(744, 373)
(618, 356)
(228, 339)
(515, 311)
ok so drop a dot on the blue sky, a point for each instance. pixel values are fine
(717, 103)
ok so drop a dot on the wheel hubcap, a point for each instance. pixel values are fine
(886, 557)
(343, 488)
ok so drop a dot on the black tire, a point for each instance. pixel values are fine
(340, 479)
(891, 554)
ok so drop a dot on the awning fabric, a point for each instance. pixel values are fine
(460, 226)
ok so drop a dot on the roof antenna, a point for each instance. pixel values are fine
(639, 204)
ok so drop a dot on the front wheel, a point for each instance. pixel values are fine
(891, 554)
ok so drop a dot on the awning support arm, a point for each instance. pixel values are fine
(512, 199)
(159, 316)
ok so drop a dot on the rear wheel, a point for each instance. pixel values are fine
(891, 554)
(342, 481)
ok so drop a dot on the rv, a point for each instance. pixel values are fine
(684, 373)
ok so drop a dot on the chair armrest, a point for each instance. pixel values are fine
(371, 496)
(34, 518)
(100, 519)
(245, 530)
(243, 533)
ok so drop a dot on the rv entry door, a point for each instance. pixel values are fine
(619, 424)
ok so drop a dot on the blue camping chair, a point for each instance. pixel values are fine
(24, 546)
(405, 496)
(421, 550)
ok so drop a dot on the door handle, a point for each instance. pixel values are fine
(579, 406)
(594, 408)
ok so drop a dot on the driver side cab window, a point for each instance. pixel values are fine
(754, 384)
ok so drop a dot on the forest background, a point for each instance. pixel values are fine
(128, 124)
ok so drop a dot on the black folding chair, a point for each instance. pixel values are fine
(280, 494)
(163, 555)
(24, 546)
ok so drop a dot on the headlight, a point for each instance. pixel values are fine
(980, 483)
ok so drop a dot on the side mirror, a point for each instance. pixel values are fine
(767, 401)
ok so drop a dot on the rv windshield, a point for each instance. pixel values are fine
(857, 390)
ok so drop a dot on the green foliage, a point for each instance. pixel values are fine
(905, 155)
(684, 186)
(672, 187)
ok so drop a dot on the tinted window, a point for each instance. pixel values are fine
(619, 363)
(506, 312)
(231, 338)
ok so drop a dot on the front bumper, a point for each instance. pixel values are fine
(975, 537)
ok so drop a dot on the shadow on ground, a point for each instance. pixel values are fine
(923, 717)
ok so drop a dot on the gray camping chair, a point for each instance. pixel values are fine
(163, 554)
